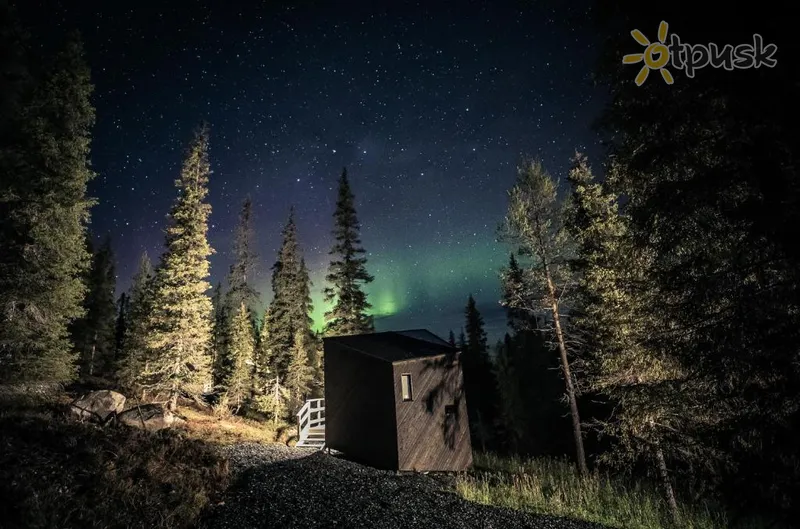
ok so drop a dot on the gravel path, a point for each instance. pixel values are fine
(281, 487)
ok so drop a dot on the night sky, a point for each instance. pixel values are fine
(429, 108)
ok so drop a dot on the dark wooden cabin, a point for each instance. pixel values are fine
(395, 400)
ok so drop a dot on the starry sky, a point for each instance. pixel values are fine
(429, 107)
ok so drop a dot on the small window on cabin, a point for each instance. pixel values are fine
(405, 385)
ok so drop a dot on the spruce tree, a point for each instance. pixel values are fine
(264, 367)
(120, 325)
(94, 333)
(131, 362)
(347, 272)
(651, 396)
(180, 321)
(218, 334)
(300, 374)
(511, 408)
(535, 224)
(451, 339)
(44, 162)
(241, 291)
(242, 272)
(479, 383)
(291, 304)
(241, 345)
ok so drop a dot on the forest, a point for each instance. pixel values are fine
(652, 296)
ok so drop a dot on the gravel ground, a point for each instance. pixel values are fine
(282, 487)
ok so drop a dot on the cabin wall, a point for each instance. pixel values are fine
(427, 438)
(359, 407)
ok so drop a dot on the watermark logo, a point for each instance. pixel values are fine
(692, 57)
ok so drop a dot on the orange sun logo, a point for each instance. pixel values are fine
(655, 56)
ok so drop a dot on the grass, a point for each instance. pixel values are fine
(56, 472)
(554, 487)
(229, 429)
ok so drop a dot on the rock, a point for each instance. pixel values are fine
(98, 405)
(150, 417)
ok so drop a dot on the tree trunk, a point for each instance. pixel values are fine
(669, 494)
(172, 403)
(91, 358)
(573, 402)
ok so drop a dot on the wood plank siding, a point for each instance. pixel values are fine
(359, 407)
(432, 428)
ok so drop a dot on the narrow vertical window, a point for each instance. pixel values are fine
(405, 384)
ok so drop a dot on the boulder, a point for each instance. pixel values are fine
(150, 417)
(98, 405)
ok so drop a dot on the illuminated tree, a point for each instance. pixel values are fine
(534, 223)
(241, 344)
(347, 272)
(300, 374)
(180, 321)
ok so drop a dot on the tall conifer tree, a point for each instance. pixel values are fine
(291, 304)
(300, 374)
(347, 273)
(535, 224)
(242, 273)
(180, 322)
(131, 362)
(44, 162)
(479, 383)
(241, 346)
(94, 333)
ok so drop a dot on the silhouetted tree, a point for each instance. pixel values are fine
(291, 305)
(479, 383)
(44, 161)
(347, 272)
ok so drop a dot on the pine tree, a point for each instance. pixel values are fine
(180, 322)
(535, 224)
(462, 341)
(291, 304)
(275, 400)
(120, 325)
(241, 345)
(347, 272)
(263, 359)
(218, 335)
(94, 333)
(224, 355)
(131, 363)
(511, 408)
(44, 162)
(652, 397)
(299, 375)
(242, 272)
(479, 383)
(513, 284)
(451, 338)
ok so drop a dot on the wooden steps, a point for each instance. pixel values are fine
(311, 424)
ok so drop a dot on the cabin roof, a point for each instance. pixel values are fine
(395, 346)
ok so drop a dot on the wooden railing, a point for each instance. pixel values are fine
(311, 415)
